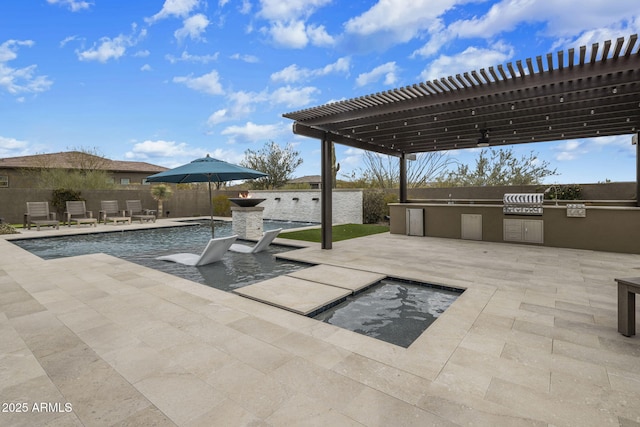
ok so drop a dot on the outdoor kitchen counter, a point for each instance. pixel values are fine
(604, 228)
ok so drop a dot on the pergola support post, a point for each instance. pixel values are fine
(403, 178)
(638, 169)
(326, 193)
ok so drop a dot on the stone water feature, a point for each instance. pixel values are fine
(247, 217)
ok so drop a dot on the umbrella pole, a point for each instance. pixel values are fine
(211, 209)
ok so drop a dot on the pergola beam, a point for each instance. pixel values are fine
(311, 132)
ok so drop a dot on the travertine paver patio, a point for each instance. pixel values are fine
(532, 341)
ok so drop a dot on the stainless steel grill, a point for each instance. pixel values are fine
(523, 204)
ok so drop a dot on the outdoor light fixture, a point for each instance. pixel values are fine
(483, 141)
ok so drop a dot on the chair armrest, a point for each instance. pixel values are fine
(89, 214)
(52, 215)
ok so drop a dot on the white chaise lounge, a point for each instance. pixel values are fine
(215, 250)
(261, 245)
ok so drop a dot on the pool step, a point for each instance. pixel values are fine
(306, 291)
(346, 278)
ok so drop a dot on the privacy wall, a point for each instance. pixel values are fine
(304, 205)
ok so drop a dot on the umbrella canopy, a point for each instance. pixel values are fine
(206, 169)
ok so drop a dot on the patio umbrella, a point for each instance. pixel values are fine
(206, 169)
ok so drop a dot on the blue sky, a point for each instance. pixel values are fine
(168, 81)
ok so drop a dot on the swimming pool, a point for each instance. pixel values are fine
(143, 246)
(393, 310)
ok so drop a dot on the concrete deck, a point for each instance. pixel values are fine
(533, 341)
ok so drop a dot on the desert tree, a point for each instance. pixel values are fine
(383, 171)
(277, 162)
(500, 167)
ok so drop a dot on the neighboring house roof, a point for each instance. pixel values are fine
(74, 160)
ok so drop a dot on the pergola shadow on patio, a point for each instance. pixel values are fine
(593, 92)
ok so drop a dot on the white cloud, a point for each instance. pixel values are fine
(278, 10)
(175, 8)
(292, 34)
(172, 153)
(390, 22)
(187, 57)
(145, 67)
(194, 26)
(142, 54)
(293, 73)
(240, 105)
(290, 74)
(8, 49)
(472, 58)
(246, 7)
(251, 132)
(106, 50)
(68, 39)
(569, 150)
(246, 58)
(319, 36)
(593, 21)
(11, 147)
(73, 5)
(243, 102)
(387, 71)
(217, 117)
(294, 97)
(229, 156)
(158, 148)
(207, 83)
(19, 80)
(597, 35)
(111, 48)
(353, 157)
(287, 23)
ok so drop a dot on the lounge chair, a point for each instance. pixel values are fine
(38, 214)
(135, 211)
(109, 211)
(261, 245)
(77, 211)
(215, 250)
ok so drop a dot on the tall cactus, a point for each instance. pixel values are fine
(335, 167)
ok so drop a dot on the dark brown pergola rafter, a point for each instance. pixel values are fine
(578, 95)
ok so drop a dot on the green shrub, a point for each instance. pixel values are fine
(373, 206)
(60, 197)
(389, 198)
(7, 229)
(564, 192)
(221, 205)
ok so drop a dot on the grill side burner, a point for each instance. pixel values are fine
(522, 204)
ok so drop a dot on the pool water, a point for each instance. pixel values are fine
(143, 246)
(394, 311)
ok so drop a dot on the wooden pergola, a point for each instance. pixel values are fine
(586, 93)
